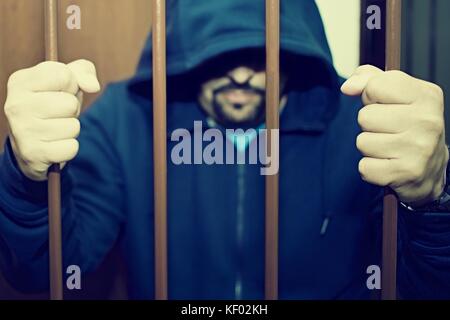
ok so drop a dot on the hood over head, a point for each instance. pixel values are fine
(200, 30)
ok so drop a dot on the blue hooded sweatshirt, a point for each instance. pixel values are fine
(330, 220)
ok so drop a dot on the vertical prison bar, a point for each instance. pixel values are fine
(389, 246)
(272, 123)
(160, 146)
(54, 183)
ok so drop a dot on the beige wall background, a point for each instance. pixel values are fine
(342, 26)
(112, 35)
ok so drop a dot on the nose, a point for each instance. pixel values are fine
(241, 75)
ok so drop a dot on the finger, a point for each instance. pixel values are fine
(356, 84)
(381, 118)
(379, 145)
(60, 151)
(391, 87)
(376, 86)
(85, 75)
(58, 129)
(376, 171)
(52, 105)
(46, 76)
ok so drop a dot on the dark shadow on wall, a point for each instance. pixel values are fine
(425, 42)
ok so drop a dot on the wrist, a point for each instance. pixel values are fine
(15, 183)
(30, 171)
(439, 200)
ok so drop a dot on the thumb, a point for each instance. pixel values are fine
(356, 84)
(86, 75)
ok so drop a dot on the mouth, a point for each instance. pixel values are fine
(240, 97)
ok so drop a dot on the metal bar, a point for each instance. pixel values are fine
(272, 123)
(389, 251)
(160, 147)
(54, 182)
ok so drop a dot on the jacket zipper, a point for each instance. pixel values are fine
(240, 229)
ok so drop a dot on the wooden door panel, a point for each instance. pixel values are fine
(112, 35)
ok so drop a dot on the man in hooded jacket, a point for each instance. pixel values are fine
(330, 186)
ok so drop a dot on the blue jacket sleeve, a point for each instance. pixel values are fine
(91, 216)
(424, 255)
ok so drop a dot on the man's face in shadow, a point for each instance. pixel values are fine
(233, 91)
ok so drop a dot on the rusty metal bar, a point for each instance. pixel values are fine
(160, 146)
(389, 251)
(272, 123)
(54, 182)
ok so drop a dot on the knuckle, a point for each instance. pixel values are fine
(72, 104)
(50, 65)
(65, 77)
(70, 148)
(74, 147)
(40, 168)
(360, 142)
(373, 88)
(437, 126)
(437, 94)
(416, 172)
(437, 91)
(428, 151)
(423, 144)
(434, 126)
(370, 91)
(76, 127)
(19, 130)
(61, 74)
(363, 117)
(432, 93)
(397, 74)
(362, 168)
(398, 77)
(437, 123)
(83, 65)
(12, 108)
(377, 80)
(27, 153)
(361, 68)
(88, 63)
(14, 78)
(364, 68)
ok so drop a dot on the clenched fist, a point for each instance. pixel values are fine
(403, 138)
(42, 109)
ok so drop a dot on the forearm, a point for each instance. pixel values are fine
(24, 225)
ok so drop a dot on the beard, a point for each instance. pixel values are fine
(237, 115)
